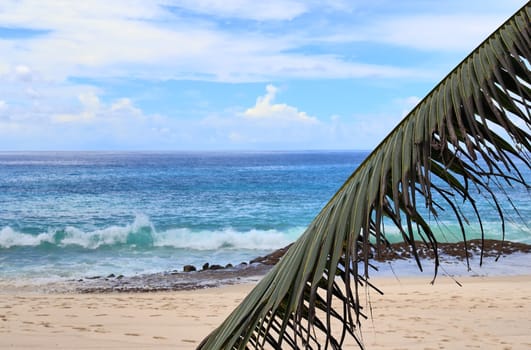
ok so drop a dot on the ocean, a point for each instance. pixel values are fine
(69, 215)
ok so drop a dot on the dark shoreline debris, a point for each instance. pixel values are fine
(217, 275)
(491, 248)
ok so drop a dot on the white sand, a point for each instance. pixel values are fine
(486, 313)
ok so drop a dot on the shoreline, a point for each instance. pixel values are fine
(395, 260)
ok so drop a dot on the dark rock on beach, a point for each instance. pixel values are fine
(273, 258)
(189, 268)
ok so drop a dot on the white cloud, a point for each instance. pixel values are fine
(92, 124)
(143, 39)
(90, 101)
(32, 93)
(3, 110)
(247, 9)
(4, 67)
(23, 72)
(91, 106)
(453, 26)
(436, 32)
(125, 104)
(285, 127)
(407, 104)
(119, 111)
(265, 109)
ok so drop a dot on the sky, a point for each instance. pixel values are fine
(225, 75)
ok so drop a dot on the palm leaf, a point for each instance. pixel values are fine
(462, 140)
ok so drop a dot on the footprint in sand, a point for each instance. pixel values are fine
(100, 330)
(411, 336)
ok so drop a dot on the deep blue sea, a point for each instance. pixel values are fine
(67, 215)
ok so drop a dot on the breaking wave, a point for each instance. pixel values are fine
(141, 233)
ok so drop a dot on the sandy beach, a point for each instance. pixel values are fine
(485, 312)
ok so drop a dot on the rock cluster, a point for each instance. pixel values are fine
(269, 260)
(189, 268)
(207, 267)
(273, 258)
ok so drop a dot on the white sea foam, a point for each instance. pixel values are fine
(226, 239)
(11, 238)
(142, 232)
(94, 239)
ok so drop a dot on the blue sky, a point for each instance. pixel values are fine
(225, 75)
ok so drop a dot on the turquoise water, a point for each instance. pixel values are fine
(74, 214)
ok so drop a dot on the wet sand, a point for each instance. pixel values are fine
(485, 312)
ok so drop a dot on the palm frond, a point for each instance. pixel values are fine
(462, 139)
